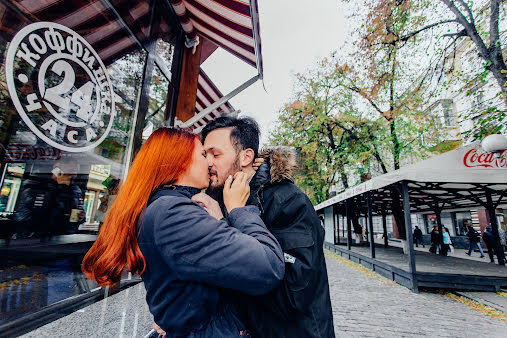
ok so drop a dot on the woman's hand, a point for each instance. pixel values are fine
(236, 192)
(209, 204)
(257, 163)
(158, 329)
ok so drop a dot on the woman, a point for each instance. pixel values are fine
(446, 241)
(186, 257)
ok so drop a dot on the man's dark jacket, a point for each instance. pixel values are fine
(435, 237)
(300, 306)
(473, 235)
(487, 236)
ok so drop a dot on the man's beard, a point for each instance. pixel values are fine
(215, 191)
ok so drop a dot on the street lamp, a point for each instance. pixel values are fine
(495, 144)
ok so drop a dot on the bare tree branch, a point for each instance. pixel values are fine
(494, 36)
(469, 28)
(468, 9)
(459, 34)
(408, 36)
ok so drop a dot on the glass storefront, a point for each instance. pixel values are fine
(74, 93)
(462, 221)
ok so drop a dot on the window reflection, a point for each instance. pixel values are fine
(52, 201)
(157, 105)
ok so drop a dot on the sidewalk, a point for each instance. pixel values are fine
(364, 306)
(490, 299)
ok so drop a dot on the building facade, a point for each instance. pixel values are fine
(82, 85)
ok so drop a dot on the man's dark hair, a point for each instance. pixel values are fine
(245, 132)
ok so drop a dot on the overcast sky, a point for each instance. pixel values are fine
(295, 34)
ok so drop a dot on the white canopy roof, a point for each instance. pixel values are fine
(460, 169)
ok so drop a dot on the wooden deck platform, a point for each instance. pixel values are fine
(432, 271)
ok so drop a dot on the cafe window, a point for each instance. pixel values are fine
(462, 220)
(71, 83)
(157, 104)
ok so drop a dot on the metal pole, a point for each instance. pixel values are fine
(219, 102)
(494, 227)
(370, 224)
(334, 224)
(408, 231)
(366, 230)
(384, 226)
(337, 222)
(343, 226)
(440, 232)
(349, 235)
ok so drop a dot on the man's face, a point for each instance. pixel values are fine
(223, 160)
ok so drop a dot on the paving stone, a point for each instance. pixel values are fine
(366, 307)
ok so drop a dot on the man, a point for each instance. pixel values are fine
(435, 240)
(418, 236)
(474, 241)
(489, 239)
(300, 306)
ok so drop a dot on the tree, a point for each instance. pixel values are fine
(444, 23)
(329, 134)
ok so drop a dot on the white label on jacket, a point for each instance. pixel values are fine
(288, 258)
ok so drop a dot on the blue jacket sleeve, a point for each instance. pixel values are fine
(241, 255)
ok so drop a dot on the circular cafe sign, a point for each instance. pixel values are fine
(60, 86)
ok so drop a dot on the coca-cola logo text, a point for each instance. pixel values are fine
(474, 158)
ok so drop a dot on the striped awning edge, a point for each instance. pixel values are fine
(207, 94)
(228, 23)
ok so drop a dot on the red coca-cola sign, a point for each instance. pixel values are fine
(478, 158)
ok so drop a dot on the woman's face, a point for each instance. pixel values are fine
(197, 174)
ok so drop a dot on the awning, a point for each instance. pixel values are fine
(462, 178)
(96, 21)
(208, 94)
(230, 24)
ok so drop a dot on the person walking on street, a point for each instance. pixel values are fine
(446, 241)
(489, 239)
(474, 241)
(435, 240)
(418, 237)
(501, 234)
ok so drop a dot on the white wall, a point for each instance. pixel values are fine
(328, 221)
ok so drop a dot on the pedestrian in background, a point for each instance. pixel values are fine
(474, 241)
(489, 239)
(418, 237)
(435, 240)
(446, 241)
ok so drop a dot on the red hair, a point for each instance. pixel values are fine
(162, 159)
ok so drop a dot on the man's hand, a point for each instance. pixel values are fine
(257, 163)
(209, 204)
(158, 329)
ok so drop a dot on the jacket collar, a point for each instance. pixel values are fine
(171, 190)
(282, 163)
(261, 177)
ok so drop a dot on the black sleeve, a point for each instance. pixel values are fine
(302, 257)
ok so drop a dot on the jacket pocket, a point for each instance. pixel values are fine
(298, 248)
(293, 239)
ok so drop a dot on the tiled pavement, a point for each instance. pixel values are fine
(364, 306)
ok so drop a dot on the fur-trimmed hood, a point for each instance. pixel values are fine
(282, 162)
